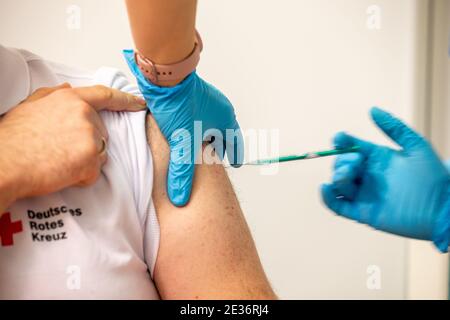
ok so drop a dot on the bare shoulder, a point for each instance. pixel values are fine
(206, 249)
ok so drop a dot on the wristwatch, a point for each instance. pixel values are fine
(169, 72)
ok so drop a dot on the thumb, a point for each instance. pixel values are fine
(181, 169)
(395, 129)
(179, 182)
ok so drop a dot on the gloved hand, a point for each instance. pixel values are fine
(405, 192)
(447, 164)
(175, 109)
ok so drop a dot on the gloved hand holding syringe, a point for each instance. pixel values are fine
(401, 191)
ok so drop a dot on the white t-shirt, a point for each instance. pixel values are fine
(98, 242)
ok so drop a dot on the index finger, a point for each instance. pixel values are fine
(45, 91)
(343, 140)
(104, 98)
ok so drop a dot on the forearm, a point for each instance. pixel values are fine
(6, 196)
(9, 190)
(163, 30)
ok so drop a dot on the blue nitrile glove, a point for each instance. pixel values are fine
(447, 164)
(404, 192)
(176, 108)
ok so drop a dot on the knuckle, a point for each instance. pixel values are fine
(40, 90)
(88, 151)
(83, 108)
(129, 99)
(105, 92)
(88, 132)
(65, 93)
(94, 175)
(89, 180)
(65, 97)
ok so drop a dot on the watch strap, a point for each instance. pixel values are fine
(157, 73)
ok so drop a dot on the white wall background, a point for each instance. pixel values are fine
(306, 67)
(428, 270)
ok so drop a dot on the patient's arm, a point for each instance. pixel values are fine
(206, 250)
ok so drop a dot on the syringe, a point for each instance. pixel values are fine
(305, 156)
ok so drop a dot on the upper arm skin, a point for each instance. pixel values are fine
(206, 250)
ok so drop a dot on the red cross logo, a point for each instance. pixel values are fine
(8, 229)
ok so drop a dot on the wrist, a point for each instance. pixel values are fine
(174, 58)
(8, 189)
(11, 185)
(173, 73)
(441, 230)
(170, 49)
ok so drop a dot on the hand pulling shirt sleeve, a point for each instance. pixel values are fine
(98, 242)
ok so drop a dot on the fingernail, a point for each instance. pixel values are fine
(140, 101)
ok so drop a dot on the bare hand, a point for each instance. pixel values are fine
(56, 139)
